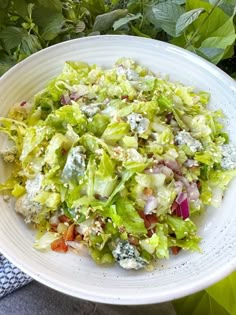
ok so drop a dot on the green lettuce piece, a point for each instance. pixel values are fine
(18, 190)
(15, 130)
(210, 156)
(44, 242)
(221, 179)
(9, 184)
(189, 243)
(43, 106)
(126, 175)
(34, 137)
(54, 152)
(181, 228)
(123, 213)
(129, 142)
(115, 131)
(104, 179)
(67, 115)
(206, 193)
(49, 199)
(157, 243)
(148, 109)
(98, 124)
(103, 256)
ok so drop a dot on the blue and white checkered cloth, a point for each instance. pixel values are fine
(11, 278)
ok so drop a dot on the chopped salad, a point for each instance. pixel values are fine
(118, 161)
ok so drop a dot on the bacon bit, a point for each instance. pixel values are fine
(59, 245)
(70, 233)
(99, 197)
(198, 184)
(149, 219)
(122, 229)
(133, 240)
(148, 192)
(63, 218)
(63, 151)
(174, 206)
(79, 237)
(151, 232)
(53, 228)
(23, 103)
(175, 250)
(124, 97)
(169, 117)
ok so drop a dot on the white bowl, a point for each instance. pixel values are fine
(78, 275)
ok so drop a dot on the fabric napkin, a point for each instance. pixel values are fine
(11, 278)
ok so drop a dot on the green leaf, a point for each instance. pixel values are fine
(125, 20)
(21, 7)
(52, 4)
(80, 27)
(211, 54)
(95, 7)
(214, 47)
(219, 299)
(186, 19)
(4, 4)
(11, 37)
(215, 2)
(5, 63)
(54, 26)
(105, 21)
(30, 44)
(224, 293)
(199, 303)
(165, 15)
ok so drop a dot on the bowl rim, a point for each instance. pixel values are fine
(215, 276)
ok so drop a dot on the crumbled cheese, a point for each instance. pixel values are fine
(9, 154)
(132, 75)
(185, 138)
(33, 186)
(90, 110)
(138, 123)
(25, 205)
(228, 156)
(75, 164)
(128, 256)
(6, 198)
(28, 208)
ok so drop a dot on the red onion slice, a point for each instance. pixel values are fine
(183, 209)
(181, 197)
(151, 204)
(193, 192)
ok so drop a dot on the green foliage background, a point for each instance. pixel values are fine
(206, 27)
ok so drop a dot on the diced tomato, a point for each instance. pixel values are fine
(70, 233)
(63, 151)
(63, 218)
(148, 192)
(59, 245)
(175, 250)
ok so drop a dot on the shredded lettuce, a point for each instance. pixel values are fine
(116, 154)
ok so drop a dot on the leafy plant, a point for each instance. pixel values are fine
(204, 27)
(218, 299)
